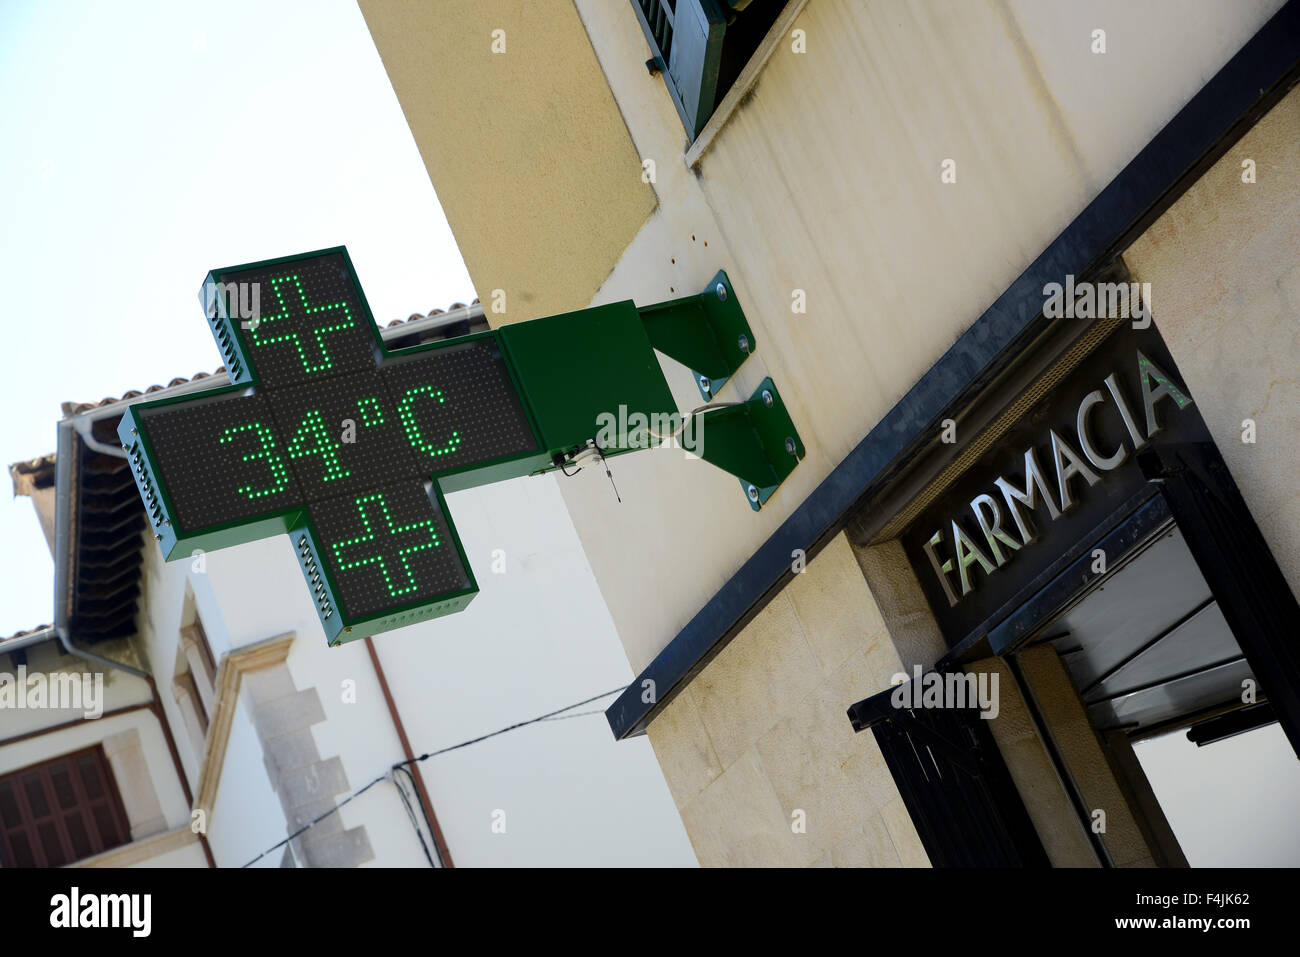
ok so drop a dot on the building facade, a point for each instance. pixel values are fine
(1025, 276)
(191, 714)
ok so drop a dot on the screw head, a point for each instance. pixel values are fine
(721, 290)
(705, 384)
(789, 445)
(767, 399)
(743, 342)
(752, 492)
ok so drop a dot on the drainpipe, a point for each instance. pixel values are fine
(439, 842)
(63, 481)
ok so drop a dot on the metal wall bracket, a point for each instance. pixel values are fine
(756, 441)
(707, 333)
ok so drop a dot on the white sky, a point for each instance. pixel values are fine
(145, 143)
(1232, 803)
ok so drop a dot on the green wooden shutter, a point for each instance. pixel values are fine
(687, 38)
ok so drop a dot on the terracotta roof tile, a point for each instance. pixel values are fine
(33, 465)
(76, 408)
(27, 631)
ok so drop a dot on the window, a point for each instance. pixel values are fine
(194, 682)
(60, 811)
(187, 691)
(196, 639)
(700, 47)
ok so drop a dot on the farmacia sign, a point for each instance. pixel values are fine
(1008, 516)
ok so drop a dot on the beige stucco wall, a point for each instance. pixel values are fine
(827, 180)
(1081, 750)
(1036, 779)
(1224, 268)
(762, 733)
(532, 163)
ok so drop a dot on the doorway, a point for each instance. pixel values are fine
(1191, 740)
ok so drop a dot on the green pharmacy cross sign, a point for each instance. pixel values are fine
(327, 435)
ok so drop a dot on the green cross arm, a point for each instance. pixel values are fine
(326, 434)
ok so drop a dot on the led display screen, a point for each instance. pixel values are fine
(335, 433)
(303, 320)
(388, 547)
(429, 388)
(220, 459)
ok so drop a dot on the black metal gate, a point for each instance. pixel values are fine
(954, 783)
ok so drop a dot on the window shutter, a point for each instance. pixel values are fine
(955, 785)
(60, 811)
(687, 38)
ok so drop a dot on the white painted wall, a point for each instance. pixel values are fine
(535, 639)
(119, 689)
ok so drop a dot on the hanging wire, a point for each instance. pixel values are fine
(402, 766)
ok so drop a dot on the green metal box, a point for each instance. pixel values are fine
(581, 370)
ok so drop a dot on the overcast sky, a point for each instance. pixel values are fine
(145, 143)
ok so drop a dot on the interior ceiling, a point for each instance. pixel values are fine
(1150, 644)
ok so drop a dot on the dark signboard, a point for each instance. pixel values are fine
(1042, 492)
(326, 436)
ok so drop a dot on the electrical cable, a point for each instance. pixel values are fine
(608, 473)
(317, 820)
(402, 766)
(576, 714)
(687, 418)
(594, 444)
(410, 812)
(424, 813)
(493, 734)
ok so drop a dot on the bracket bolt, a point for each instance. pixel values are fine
(705, 384)
(721, 290)
(767, 399)
(743, 342)
(789, 445)
(752, 492)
